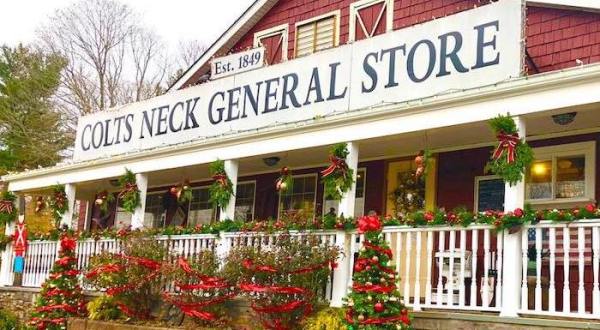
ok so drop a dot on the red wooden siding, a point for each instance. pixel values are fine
(557, 38)
(457, 171)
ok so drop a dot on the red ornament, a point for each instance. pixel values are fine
(590, 208)
(519, 212)
(428, 216)
(379, 307)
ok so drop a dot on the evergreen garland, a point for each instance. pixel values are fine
(501, 162)
(8, 211)
(130, 194)
(61, 296)
(337, 178)
(58, 203)
(221, 190)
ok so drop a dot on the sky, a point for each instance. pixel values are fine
(173, 20)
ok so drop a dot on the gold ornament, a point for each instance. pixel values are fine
(375, 258)
(361, 317)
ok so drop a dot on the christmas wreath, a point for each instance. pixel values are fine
(58, 203)
(130, 194)
(182, 192)
(285, 181)
(337, 177)
(8, 212)
(103, 200)
(222, 189)
(513, 155)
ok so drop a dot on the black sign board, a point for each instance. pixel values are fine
(490, 194)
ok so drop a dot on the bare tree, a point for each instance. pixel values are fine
(188, 53)
(112, 60)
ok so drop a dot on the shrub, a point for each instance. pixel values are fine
(283, 281)
(8, 320)
(327, 318)
(134, 278)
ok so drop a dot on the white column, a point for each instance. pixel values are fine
(343, 271)
(349, 199)
(231, 168)
(67, 217)
(514, 197)
(137, 219)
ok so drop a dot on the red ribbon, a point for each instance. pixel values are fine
(272, 289)
(129, 188)
(336, 164)
(387, 252)
(221, 178)
(249, 264)
(373, 288)
(508, 143)
(6, 206)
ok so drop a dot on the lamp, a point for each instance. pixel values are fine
(564, 118)
(271, 161)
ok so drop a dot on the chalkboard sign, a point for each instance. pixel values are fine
(489, 193)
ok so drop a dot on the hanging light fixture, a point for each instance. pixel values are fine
(564, 118)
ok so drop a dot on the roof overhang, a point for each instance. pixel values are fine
(521, 96)
(585, 5)
(226, 41)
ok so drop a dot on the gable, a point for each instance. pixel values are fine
(265, 15)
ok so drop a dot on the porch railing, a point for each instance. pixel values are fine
(451, 268)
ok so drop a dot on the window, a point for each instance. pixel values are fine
(317, 34)
(369, 18)
(275, 42)
(244, 201)
(562, 174)
(359, 206)
(302, 198)
(201, 209)
(154, 216)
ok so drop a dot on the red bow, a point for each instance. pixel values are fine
(336, 164)
(221, 178)
(6, 206)
(508, 143)
(369, 223)
(129, 188)
(68, 244)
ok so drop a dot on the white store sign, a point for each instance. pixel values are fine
(470, 49)
(237, 63)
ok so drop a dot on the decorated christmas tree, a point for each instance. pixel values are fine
(374, 302)
(61, 296)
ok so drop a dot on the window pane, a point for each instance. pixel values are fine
(539, 180)
(302, 198)
(153, 215)
(570, 177)
(244, 201)
(201, 210)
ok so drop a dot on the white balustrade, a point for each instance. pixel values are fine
(454, 268)
(561, 269)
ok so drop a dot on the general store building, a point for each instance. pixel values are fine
(390, 78)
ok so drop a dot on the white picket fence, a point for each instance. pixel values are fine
(452, 268)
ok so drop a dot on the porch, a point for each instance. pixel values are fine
(547, 269)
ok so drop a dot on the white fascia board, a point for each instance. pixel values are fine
(586, 5)
(527, 95)
(256, 10)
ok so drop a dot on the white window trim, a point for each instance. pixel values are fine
(294, 177)
(363, 169)
(355, 7)
(253, 196)
(279, 29)
(336, 34)
(588, 149)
